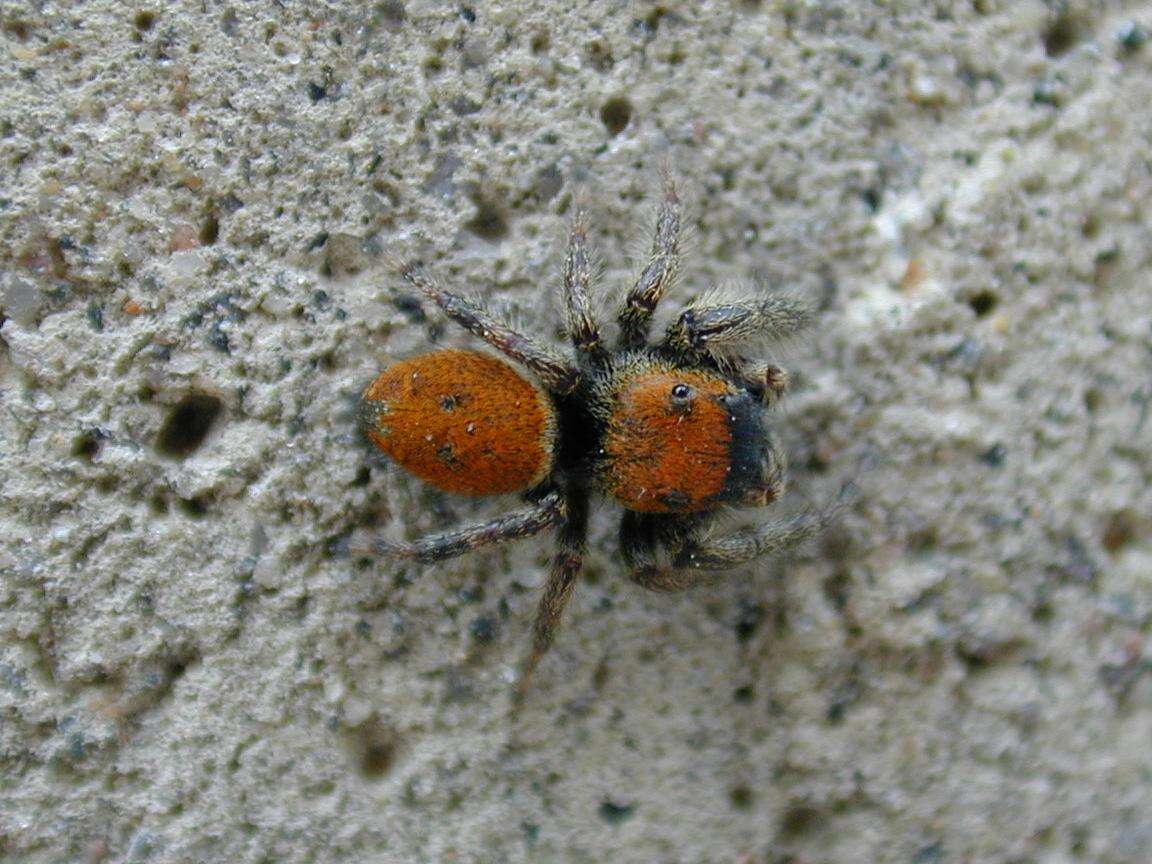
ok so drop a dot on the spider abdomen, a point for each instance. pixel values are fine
(463, 421)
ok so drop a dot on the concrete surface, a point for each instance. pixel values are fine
(197, 665)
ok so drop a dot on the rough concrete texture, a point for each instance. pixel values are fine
(197, 663)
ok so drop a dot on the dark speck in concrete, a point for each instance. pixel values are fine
(614, 813)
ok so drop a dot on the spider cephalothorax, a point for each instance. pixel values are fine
(670, 431)
(677, 438)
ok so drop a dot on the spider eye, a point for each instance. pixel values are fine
(681, 392)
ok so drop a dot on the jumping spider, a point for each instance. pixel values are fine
(671, 431)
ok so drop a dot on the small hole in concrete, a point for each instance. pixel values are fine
(410, 306)
(974, 661)
(1062, 34)
(177, 666)
(391, 14)
(549, 181)
(924, 540)
(653, 18)
(374, 750)
(376, 760)
(1132, 36)
(210, 230)
(87, 444)
(994, 456)
(616, 114)
(188, 424)
(1042, 612)
(194, 508)
(17, 28)
(748, 620)
(741, 797)
(482, 629)
(1080, 837)
(983, 302)
(489, 223)
(541, 42)
(799, 820)
(614, 813)
(1093, 399)
(1119, 532)
(599, 55)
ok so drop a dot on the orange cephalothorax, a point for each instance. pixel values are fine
(463, 421)
(668, 442)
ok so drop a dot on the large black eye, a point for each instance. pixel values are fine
(681, 392)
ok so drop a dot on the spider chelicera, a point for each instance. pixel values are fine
(672, 430)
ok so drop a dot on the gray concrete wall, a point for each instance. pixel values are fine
(197, 665)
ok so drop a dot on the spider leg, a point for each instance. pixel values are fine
(747, 544)
(545, 513)
(694, 559)
(558, 375)
(566, 566)
(642, 535)
(767, 381)
(582, 326)
(728, 326)
(635, 316)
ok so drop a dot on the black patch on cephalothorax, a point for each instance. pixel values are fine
(749, 438)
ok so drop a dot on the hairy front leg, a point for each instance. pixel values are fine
(748, 544)
(727, 327)
(694, 559)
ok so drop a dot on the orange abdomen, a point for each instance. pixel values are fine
(463, 421)
(661, 457)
